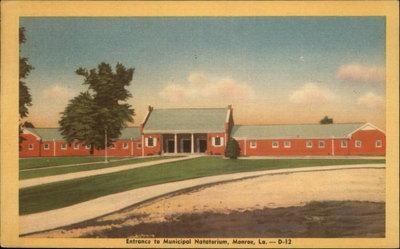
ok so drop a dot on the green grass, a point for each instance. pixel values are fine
(44, 171)
(61, 194)
(42, 162)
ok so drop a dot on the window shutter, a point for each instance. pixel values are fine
(154, 141)
(222, 141)
(146, 141)
(213, 141)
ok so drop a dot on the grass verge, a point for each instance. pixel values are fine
(61, 194)
(41, 172)
(43, 162)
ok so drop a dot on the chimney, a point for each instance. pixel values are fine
(230, 107)
(150, 108)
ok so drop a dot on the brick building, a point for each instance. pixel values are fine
(207, 130)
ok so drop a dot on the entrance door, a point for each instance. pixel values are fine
(202, 145)
(186, 146)
(170, 146)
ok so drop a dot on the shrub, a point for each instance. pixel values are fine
(232, 149)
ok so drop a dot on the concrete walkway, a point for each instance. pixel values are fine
(310, 157)
(81, 174)
(111, 203)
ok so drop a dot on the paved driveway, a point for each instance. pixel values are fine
(111, 203)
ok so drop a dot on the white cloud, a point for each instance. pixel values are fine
(371, 100)
(312, 94)
(58, 92)
(361, 74)
(202, 88)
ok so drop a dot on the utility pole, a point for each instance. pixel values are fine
(105, 146)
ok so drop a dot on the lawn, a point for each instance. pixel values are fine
(45, 171)
(61, 194)
(41, 162)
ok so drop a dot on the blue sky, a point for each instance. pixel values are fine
(272, 69)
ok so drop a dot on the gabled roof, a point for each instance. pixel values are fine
(47, 134)
(186, 120)
(130, 132)
(294, 131)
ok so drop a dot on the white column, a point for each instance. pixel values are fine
(54, 147)
(175, 143)
(131, 147)
(105, 146)
(245, 147)
(333, 147)
(192, 145)
(142, 145)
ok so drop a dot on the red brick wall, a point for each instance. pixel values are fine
(39, 148)
(213, 150)
(153, 150)
(70, 150)
(368, 139)
(339, 151)
(297, 147)
(119, 149)
(24, 146)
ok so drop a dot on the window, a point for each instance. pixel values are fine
(76, 146)
(88, 146)
(309, 144)
(64, 146)
(321, 144)
(253, 144)
(30, 146)
(46, 146)
(112, 146)
(151, 141)
(287, 144)
(378, 143)
(343, 143)
(125, 146)
(218, 141)
(275, 144)
(358, 143)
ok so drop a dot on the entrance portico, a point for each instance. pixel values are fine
(184, 143)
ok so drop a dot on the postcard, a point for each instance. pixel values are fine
(265, 124)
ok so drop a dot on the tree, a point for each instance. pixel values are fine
(28, 124)
(232, 149)
(102, 110)
(326, 120)
(25, 97)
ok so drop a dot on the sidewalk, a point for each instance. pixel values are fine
(310, 157)
(111, 203)
(81, 174)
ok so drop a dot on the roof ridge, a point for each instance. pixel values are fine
(187, 108)
(298, 124)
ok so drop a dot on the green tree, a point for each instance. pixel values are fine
(25, 97)
(28, 124)
(102, 110)
(232, 150)
(326, 120)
